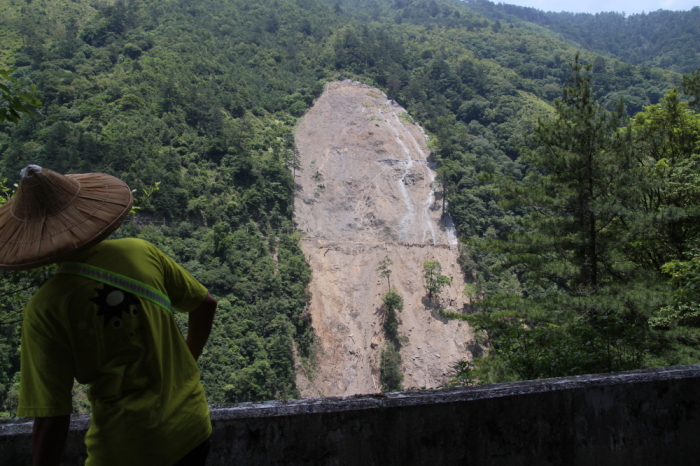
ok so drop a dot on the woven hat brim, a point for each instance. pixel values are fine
(96, 211)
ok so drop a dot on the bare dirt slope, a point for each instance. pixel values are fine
(364, 193)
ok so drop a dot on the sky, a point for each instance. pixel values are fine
(597, 6)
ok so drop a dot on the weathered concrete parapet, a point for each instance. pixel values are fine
(628, 418)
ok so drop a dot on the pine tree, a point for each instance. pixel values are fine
(446, 172)
(579, 174)
(385, 271)
(292, 158)
(585, 306)
(435, 281)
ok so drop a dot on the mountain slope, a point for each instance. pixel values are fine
(202, 97)
(664, 39)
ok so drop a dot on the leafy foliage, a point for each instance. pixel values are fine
(392, 302)
(390, 374)
(684, 309)
(14, 101)
(666, 142)
(560, 342)
(390, 368)
(462, 374)
(597, 220)
(435, 281)
(660, 38)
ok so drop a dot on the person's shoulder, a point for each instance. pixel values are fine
(49, 292)
(128, 244)
(132, 248)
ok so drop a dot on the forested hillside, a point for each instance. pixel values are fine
(665, 39)
(202, 98)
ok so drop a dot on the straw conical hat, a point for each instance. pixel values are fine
(51, 216)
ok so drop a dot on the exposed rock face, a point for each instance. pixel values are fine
(365, 194)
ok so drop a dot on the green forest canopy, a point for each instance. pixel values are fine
(662, 38)
(203, 98)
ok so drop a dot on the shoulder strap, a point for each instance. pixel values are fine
(122, 282)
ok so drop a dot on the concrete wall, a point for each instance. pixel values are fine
(648, 417)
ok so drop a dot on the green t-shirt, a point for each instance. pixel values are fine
(148, 405)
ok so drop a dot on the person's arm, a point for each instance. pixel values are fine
(199, 325)
(49, 439)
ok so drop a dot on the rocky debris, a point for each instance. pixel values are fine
(374, 204)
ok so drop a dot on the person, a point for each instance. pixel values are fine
(105, 319)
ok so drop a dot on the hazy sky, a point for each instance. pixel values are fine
(596, 6)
